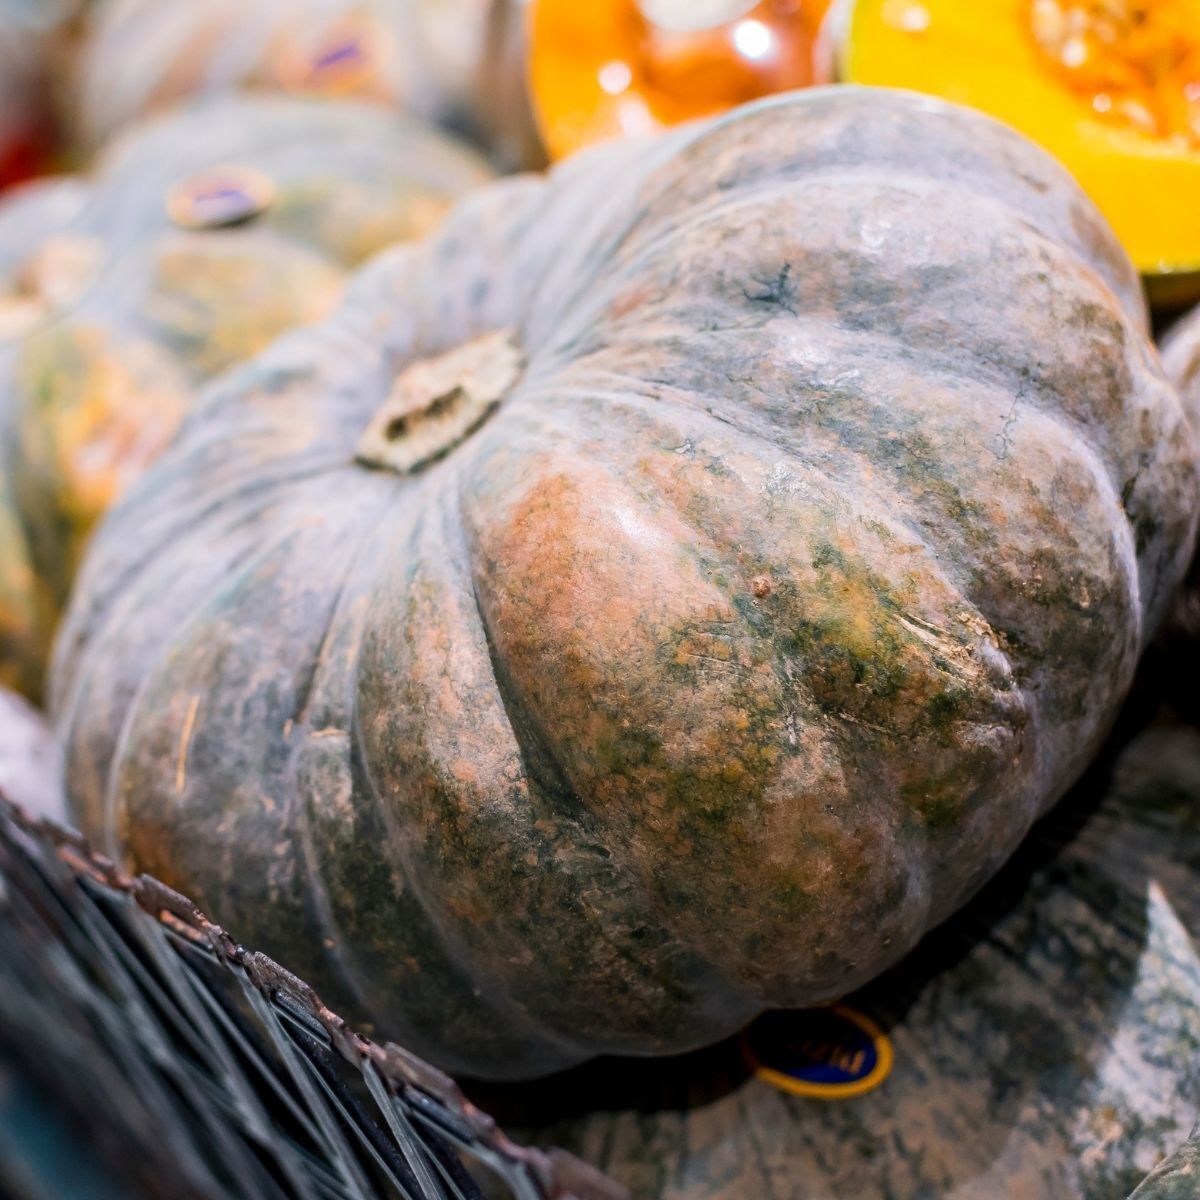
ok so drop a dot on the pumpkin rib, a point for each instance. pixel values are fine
(1029, 179)
(125, 597)
(987, 214)
(534, 747)
(660, 243)
(341, 958)
(575, 812)
(899, 470)
(512, 696)
(500, 983)
(264, 493)
(116, 818)
(560, 654)
(856, 342)
(496, 998)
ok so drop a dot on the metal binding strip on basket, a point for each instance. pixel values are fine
(201, 1069)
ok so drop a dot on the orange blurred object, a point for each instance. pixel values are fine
(1137, 62)
(608, 68)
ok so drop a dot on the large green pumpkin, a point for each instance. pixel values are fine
(1045, 1041)
(197, 240)
(663, 594)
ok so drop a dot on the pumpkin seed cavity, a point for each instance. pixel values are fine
(436, 403)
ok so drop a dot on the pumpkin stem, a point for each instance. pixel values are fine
(437, 403)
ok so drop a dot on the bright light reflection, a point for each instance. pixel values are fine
(615, 77)
(752, 39)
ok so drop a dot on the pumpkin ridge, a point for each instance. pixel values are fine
(259, 490)
(655, 241)
(816, 454)
(808, 245)
(494, 992)
(533, 746)
(340, 953)
(564, 653)
(959, 159)
(566, 1028)
(251, 558)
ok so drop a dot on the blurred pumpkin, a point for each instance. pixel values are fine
(455, 61)
(198, 239)
(622, 67)
(663, 594)
(1111, 87)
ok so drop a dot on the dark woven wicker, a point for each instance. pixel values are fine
(200, 1069)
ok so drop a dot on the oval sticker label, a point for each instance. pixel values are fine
(826, 1053)
(349, 56)
(220, 197)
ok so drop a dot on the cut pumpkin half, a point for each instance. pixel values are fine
(1111, 87)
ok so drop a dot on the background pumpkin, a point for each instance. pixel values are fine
(1044, 1038)
(118, 297)
(624, 617)
(455, 61)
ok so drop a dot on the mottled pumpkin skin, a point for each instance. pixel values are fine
(111, 314)
(452, 60)
(1045, 1041)
(800, 569)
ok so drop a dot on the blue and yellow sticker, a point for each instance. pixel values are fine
(830, 1053)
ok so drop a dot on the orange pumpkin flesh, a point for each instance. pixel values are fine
(602, 70)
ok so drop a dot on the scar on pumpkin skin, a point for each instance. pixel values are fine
(185, 740)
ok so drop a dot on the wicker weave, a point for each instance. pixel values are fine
(202, 1070)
